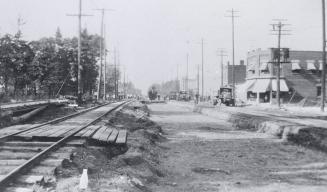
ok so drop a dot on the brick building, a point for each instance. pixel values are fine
(299, 79)
(240, 73)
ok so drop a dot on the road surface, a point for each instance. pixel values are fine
(205, 154)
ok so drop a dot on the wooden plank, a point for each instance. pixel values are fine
(53, 129)
(32, 144)
(91, 131)
(12, 162)
(21, 149)
(122, 137)
(88, 130)
(69, 132)
(105, 135)
(76, 143)
(99, 132)
(79, 134)
(31, 179)
(62, 133)
(19, 189)
(33, 131)
(113, 136)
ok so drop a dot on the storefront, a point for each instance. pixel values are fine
(264, 90)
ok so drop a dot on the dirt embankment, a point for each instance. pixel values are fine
(120, 168)
(308, 136)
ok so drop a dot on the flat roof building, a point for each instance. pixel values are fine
(299, 79)
(240, 73)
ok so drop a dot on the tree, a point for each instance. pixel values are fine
(15, 56)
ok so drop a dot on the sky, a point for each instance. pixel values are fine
(154, 36)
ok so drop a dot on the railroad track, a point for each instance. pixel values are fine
(31, 156)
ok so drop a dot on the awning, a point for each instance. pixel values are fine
(249, 84)
(296, 65)
(263, 66)
(311, 65)
(261, 86)
(283, 85)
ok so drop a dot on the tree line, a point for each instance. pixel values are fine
(40, 68)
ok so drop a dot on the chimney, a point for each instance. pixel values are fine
(241, 62)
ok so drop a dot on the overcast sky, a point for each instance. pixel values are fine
(152, 35)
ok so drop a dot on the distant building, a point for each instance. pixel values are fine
(298, 79)
(240, 73)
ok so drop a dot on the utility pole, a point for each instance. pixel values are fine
(115, 73)
(187, 63)
(79, 67)
(202, 95)
(105, 66)
(102, 53)
(124, 82)
(198, 85)
(323, 75)
(177, 76)
(222, 54)
(20, 22)
(279, 30)
(232, 12)
(186, 77)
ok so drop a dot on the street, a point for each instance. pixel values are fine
(205, 154)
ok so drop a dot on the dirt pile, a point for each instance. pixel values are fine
(121, 168)
(140, 162)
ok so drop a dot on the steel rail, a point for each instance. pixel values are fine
(4, 181)
(60, 119)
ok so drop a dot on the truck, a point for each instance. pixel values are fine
(183, 96)
(225, 96)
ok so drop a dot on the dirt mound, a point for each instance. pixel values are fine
(312, 137)
(247, 122)
(128, 168)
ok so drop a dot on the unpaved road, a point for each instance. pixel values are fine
(205, 154)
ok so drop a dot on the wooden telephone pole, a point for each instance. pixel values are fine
(233, 16)
(102, 53)
(277, 27)
(323, 75)
(222, 54)
(79, 67)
